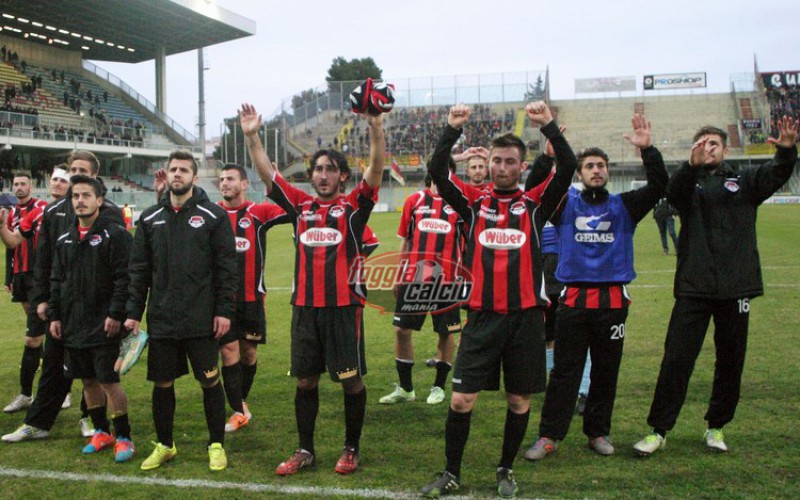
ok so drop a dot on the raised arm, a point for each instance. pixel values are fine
(539, 113)
(377, 149)
(251, 121)
(638, 202)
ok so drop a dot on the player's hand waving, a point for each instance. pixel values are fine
(787, 132)
(249, 119)
(641, 132)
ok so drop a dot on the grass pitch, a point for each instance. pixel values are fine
(403, 445)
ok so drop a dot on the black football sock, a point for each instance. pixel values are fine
(456, 433)
(306, 407)
(355, 408)
(122, 426)
(404, 373)
(660, 432)
(442, 369)
(164, 413)
(516, 425)
(232, 380)
(27, 371)
(100, 419)
(84, 408)
(248, 375)
(214, 406)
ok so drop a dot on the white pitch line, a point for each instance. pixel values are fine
(220, 485)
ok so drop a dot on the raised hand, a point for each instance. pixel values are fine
(698, 152)
(787, 132)
(249, 119)
(538, 112)
(458, 116)
(641, 132)
(160, 182)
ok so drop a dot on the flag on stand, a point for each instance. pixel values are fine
(396, 174)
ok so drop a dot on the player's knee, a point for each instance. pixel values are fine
(230, 353)
(307, 382)
(462, 403)
(247, 352)
(518, 403)
(353, 386)
(34, 342)
(164, 385)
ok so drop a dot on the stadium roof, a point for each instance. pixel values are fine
(127, 31)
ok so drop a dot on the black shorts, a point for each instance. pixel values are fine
(166, 359)
(331, 337)
(444, 323)
(250, 323)
(22, 284)
(513, 341)
(92, 363)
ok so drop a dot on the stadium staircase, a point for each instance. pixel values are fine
(50, 108)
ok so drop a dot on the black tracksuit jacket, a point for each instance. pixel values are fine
(717, 249)
(89, 282)
(186, 262)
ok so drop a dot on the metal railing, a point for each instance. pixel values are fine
(419, 92)
(140, 99)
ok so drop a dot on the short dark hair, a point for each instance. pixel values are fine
(82, 154)
(710, 130)
(238, 168)
(510, 140)
(451, 166)
(334, 156)
(183, 154)
(594, 151)
(23, 173)
(85, 179)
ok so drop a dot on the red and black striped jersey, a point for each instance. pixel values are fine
(603, 297)
(250, 223)
(328, 242)
(435, 233)
(24, 254)
(503, 249)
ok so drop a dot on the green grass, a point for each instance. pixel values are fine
(404, 445)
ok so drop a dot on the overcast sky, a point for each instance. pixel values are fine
(296, 42)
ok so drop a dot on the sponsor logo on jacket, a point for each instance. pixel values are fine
(321, 237)
(502, 239)
(196, 221)
(95, 240)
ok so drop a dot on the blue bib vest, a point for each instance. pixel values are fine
(596, 241)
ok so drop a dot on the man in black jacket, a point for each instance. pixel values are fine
(718, 273)
(88, 291)
(53, 386)
(184, 258)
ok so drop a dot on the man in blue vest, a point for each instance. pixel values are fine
(595, 231)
